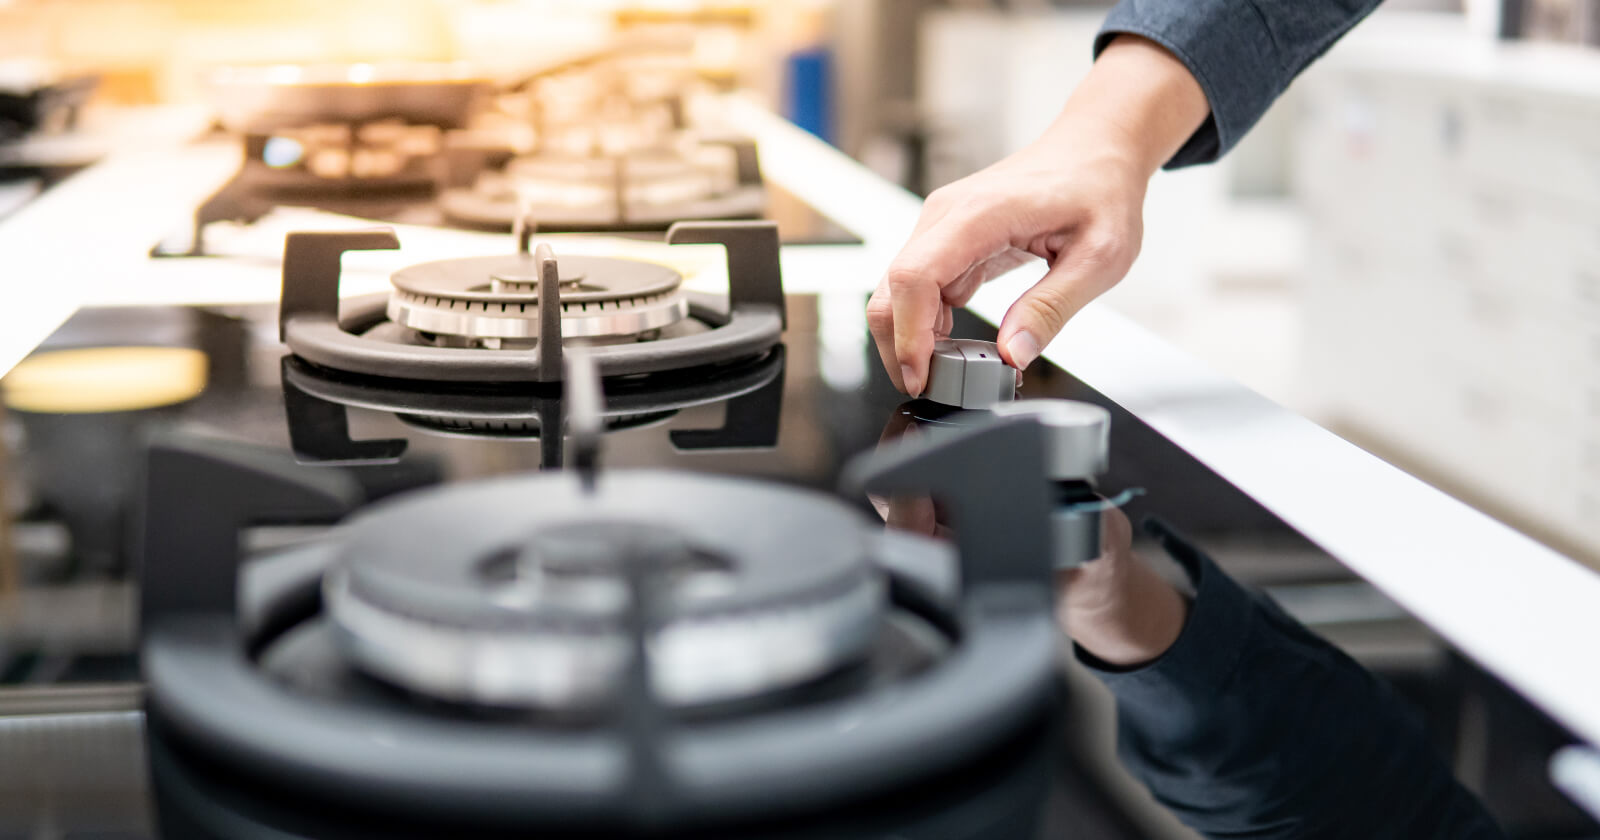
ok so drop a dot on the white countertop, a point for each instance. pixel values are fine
(1523, 611)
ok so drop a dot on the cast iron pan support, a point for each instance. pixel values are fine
(312, 259)
(585, 401)
(549, 316)
(319, 432)
(642, 718)
(747, 162)
(755, 274)
(751, 421)
(989, 478)
(199, 494)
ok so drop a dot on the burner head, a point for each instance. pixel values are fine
(517, 593)
(489, 301)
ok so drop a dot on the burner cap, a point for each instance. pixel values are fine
(497, 298)
(516, 592)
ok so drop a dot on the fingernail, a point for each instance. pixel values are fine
(1023, 349)
(908, 379)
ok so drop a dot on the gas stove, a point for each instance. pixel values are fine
(805, 661)
(598, 652)
(646, 189)
(313, 678)
(480, 319)
(625, 140)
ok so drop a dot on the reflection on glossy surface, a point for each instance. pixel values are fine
(1208, 680)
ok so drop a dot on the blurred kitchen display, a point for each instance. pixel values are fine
(1569, 21)
(616, 122)
(35, 97)
(619, 140)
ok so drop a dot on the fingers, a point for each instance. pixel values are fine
(880, 321)
(1081, 274)
(933, 259)
(914, 298)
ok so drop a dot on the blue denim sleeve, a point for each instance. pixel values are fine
(1244, 53)
(1250, 725)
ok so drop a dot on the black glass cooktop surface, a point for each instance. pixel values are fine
(74, 756)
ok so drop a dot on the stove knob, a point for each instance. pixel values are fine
(969, 374)
(1077, 436)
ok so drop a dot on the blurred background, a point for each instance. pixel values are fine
(1406, 249)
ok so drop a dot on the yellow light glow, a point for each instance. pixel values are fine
(97, 380)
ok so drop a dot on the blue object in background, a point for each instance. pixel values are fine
(808, 91)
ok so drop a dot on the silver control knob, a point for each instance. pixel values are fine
(1077, 451)
(969, 374)
(1077, 436)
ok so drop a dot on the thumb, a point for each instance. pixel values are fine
(1040, 313)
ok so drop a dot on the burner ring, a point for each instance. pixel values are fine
(497, 298)
(461, 597)
(584, 279)
(480, 320)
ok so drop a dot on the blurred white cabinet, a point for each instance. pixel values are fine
(1452, 290)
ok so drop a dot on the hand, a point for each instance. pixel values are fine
(1073, 198)
(1117, 607)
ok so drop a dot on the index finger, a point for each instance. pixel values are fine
(933, 259)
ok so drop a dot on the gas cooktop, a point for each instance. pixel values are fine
(400, 563)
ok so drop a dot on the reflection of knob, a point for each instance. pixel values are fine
(1077, 436)
(969, 374)
(1076, 452)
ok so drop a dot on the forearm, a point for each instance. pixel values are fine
(1242, 53)
(1138, 102)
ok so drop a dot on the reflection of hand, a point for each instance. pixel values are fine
(1117, 607)
(1074, 198)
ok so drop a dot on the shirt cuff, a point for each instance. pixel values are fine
(1208, 648)
(1229, 50)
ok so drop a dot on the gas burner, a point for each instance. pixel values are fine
(494, 301)
(600, 653)
(637, 190)
(480, 320)
(515, 593)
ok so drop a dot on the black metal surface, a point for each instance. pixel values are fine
(793, 417)
(199, 494)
